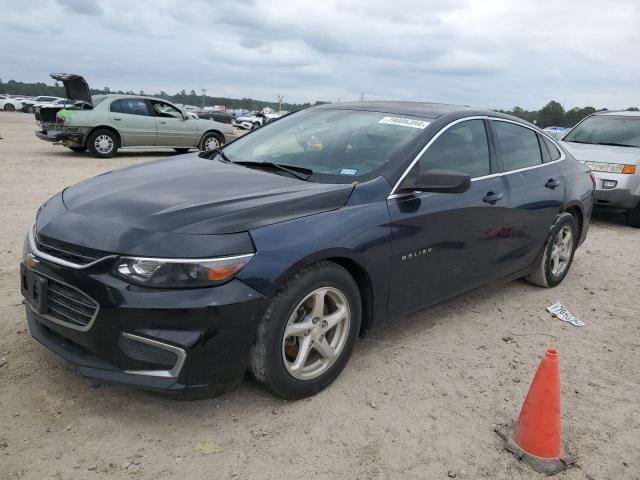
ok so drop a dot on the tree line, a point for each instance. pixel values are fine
(13, 87)
(553, 114)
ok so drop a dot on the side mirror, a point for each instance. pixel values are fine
(185, 115)
(441, 181)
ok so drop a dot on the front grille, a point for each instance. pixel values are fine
(68, 252)
(147, 353)
(69, 305)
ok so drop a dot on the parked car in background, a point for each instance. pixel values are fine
(9, 104)
(609, 144)
(29, 106)
(217, 115)
(105, 123)
(557, 132)
(249, 122)
(279, 250)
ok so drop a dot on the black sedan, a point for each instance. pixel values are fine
(274, 254)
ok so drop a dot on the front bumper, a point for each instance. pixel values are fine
(175, 341)
(625, 194)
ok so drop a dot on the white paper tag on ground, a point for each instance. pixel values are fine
(405, 122)
(563, 314)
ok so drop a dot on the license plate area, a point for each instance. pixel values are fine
(35, 289)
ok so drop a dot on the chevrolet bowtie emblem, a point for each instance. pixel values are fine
(32, 261)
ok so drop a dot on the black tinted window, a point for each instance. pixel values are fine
(518, 145)
(131, 106)
(554, 153)
(462, 147)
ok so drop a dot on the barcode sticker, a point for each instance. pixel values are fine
(405, 122)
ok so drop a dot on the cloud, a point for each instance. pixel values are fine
(82, 7)
(492, 53)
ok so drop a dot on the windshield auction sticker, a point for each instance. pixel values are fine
(404, 122)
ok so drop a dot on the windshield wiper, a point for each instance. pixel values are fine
(614, 144)
(301, 173)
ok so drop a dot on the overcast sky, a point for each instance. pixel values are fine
(489, 53)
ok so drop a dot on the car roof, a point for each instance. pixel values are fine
(418, 109)
(113, 96)
(625, 113)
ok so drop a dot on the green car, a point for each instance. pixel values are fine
(103, 124)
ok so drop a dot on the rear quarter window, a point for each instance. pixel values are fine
(554, 153)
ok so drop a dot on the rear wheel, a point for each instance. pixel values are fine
(103, 143)
(633, 216)
(78, 149)
(306, 336)
(255, 125)
(558, 254)
(9, 107)
(210, 141)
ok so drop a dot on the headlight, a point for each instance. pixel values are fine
(610, 167)
(180, 273)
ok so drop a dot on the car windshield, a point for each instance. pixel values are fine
(338, 146)
(607, 130)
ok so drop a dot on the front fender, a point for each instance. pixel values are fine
(360, 233)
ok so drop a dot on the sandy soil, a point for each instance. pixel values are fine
(419, 399)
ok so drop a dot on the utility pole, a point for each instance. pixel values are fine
(280, 99)
(204, 90)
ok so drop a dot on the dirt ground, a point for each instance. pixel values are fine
(419, 398)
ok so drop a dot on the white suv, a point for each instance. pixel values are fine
(609, 144)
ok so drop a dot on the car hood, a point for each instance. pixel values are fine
(586, 152)
(75, 86)
(192, 195)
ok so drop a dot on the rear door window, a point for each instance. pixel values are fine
(518, 145)
(130, 106)
(463, 148)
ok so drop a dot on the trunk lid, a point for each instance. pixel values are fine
(76, 87)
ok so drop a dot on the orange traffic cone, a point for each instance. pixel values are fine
(535, 438)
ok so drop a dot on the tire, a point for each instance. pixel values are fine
(276, 359)
(633, 216)
(182, 150)
(553, 267)
(9, 107)
(102, 143)
(210, 141)
(255, 125)
(78, 149)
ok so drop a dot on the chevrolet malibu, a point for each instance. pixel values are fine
(275, 253)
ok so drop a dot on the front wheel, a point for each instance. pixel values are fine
(103, 143)
(9, 107)
(307, 334)
(558, 253)
(210, 141)
(633, 216)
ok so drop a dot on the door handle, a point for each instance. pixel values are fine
(117, 119)
(492, 197)
(552, 183)
(162, 123)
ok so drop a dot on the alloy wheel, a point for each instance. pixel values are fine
(316, 333)
(561, 251)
